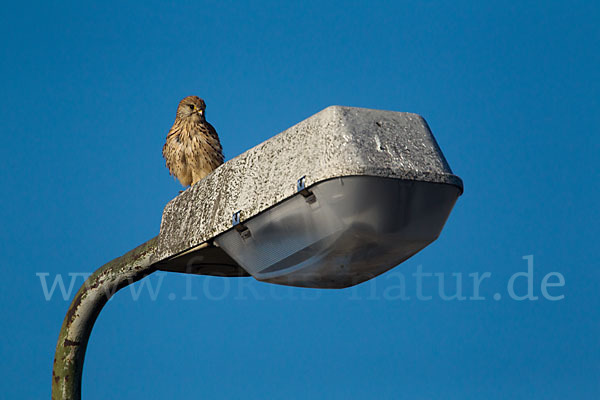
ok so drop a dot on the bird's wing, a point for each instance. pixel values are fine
(175, 129)
(215, 143)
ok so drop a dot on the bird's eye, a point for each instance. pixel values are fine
(191, 106)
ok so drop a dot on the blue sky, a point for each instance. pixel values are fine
(511, 92)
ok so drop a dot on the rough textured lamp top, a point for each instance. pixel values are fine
(337, 141)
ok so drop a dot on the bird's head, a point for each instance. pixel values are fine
(192, 107)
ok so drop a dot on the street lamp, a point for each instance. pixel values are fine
(331, 202)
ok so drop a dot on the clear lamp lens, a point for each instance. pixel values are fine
(354, 229)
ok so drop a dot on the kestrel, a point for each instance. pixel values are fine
(193, 149)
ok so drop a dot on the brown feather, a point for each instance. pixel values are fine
(192, 149)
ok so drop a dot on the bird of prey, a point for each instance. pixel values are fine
(193, 149)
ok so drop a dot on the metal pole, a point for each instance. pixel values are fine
(87, 304)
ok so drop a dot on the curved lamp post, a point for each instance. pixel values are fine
(331, 202)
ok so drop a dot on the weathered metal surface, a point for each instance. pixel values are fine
(87, 304)
(204, 260)
(338, 141)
